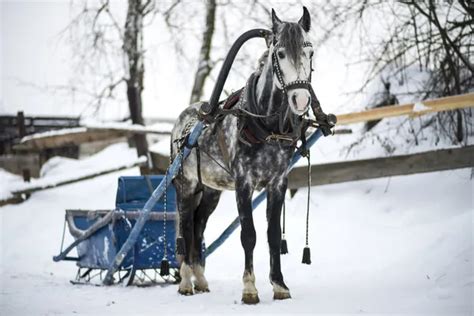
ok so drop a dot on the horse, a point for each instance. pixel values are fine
(246, 153)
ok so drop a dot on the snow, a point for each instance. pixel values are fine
(401, 245)
(59, 169)
(157, 128)
(161, 147)
(8, 180)
(52, 133)
(420, 107)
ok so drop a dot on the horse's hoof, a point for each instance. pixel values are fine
(201, 290)
(250, 298)
(186, 291)
(281, 295)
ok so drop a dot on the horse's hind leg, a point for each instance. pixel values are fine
(209, 200)
(248, 238)
(187, 204)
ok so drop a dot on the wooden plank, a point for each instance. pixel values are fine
(40, 187)
(16, 163)
(17, 199)
(74, 136)
(160, 162)
(421, 108)
(77, 136)
(338, 172)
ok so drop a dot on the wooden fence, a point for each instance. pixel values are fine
(430, 161)
(411, 109)
(337, 172)
(367, 168)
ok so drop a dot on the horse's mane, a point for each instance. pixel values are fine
(291, 39)
(261, 62)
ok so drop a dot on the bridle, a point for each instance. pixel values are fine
(252, 127)
(296, 84)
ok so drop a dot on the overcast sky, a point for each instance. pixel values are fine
(35, 60)
(32, 56)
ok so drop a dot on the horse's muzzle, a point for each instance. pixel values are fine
(299, 100)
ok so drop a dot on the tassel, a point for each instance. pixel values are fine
(306, 251)
(180, 246)
(165, 267)
(306, 256)
(283, 247)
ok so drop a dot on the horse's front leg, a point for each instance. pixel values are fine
(248, 238)
(275, 198)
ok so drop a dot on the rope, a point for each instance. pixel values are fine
(165, 209)
(309, 193)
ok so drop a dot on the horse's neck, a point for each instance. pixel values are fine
(271, 100)
(269, 97)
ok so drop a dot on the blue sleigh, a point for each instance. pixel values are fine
(111, 229)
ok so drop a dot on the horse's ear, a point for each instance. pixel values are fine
(276, 22)
(305, 20)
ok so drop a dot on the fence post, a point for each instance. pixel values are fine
(20, 123)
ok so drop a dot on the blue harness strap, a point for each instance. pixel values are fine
(155, 196)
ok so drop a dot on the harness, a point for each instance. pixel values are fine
(253, 127)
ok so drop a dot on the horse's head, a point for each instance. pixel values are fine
(291, 54)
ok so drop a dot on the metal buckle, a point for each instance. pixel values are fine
(279, 137)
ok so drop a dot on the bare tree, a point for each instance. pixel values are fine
(205, 64)
(133, 49)
(111, 55)
(434, 37)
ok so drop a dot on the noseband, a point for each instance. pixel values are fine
(297, 84)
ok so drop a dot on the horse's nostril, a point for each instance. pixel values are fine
(293, 99)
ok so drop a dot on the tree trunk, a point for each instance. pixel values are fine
(204, 64)
(133, 48)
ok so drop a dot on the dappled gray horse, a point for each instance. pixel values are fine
(247, 152)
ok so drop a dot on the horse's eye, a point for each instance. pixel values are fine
(281, 54)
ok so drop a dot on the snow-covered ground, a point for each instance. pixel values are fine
(399, 245)
(402, 245)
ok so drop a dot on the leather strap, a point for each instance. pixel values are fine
(223, 146)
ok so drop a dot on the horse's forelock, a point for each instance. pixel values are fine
(291, 39)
